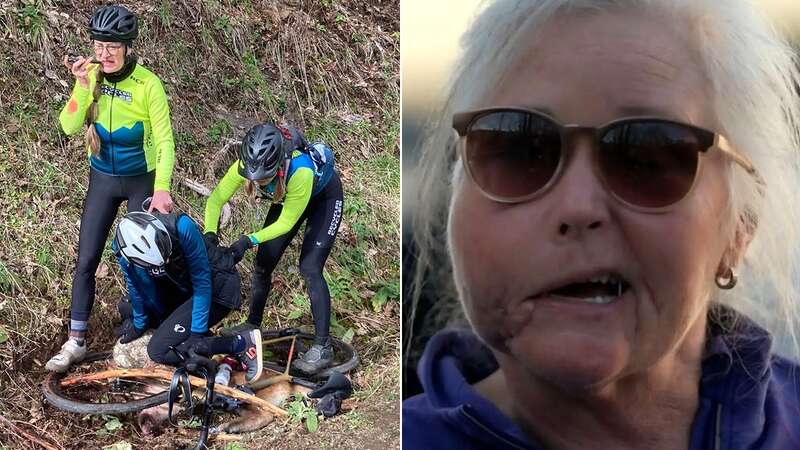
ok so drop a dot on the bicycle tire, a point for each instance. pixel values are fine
(51, 387)
(343, 352)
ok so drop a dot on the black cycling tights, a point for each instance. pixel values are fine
(323, 214)
(103, 199)
(175, 329)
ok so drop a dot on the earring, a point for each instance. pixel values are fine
(727, 280)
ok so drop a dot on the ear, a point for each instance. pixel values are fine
(743, 235)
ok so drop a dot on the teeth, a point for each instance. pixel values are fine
(607, 278)
(598, 300)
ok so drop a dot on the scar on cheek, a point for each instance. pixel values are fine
(72, 106)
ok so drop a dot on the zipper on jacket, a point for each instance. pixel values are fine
(111, 130)
(489, 430)
(717, 434)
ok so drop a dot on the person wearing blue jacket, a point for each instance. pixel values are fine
(618, 182)
(166, 267)
(748, 397)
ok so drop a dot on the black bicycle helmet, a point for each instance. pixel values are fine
(262, 152)
(113, 24)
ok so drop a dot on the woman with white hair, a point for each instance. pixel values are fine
(621, 231)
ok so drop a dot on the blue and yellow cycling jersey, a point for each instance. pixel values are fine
(299, 190)
(133, 125)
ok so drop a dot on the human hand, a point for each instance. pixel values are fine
(131, 333)
(161, 201)
(240, 247)
(125, 327)
(211, 239)
(80, 69)
(195, 343)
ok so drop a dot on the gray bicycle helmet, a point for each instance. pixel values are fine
(262, 152)
(143, 240)
(113, 24)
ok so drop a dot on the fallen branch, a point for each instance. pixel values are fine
(202, 190)
(167, 375)
(219, 156)
(227, 437)
(27, 435)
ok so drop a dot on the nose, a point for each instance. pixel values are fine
(578, 203)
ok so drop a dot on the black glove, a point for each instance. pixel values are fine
(329, 405)
(196, 342)
(211, 239)
(131, 333)
(125, 327)
(337, 384)
(240, 247)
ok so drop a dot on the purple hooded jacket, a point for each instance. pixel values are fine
(749, 397)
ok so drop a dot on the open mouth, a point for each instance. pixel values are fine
(599, 290)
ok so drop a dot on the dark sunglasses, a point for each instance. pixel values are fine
(514, 155)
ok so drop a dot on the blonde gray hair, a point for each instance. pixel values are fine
(754, 80)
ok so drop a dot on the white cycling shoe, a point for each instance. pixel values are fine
(70, 354)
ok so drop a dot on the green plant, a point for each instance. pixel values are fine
(220, 129)
(299, 411)
(341, 331)
(185, 139)
(386, 169)
(164, 13)
(111, 426)
(121, 445)
(31, 19)
(302, 304)
(8, 279)
(358, 37)
(43, 257)
(356, 420)
(193, 423)
(223, 23)
(205, 36)
(387, 292)
(341, 285)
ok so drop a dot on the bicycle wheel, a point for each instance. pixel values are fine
(119, 395)
(345, 357)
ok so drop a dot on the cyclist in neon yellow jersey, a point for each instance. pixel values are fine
(130, 148)
(303, 186)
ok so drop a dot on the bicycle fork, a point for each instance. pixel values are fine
(181, 385)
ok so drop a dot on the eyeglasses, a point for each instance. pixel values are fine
(515, 155)
(110, 49)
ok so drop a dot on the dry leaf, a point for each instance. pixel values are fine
(102, 271)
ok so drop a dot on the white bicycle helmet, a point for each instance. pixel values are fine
(143, 240)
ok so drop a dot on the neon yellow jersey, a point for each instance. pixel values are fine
(132, 122)
(299, 186)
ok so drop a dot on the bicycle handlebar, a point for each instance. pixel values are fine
(196, 362)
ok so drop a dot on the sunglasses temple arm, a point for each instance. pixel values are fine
(727, 148)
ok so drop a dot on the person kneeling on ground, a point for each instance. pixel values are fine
(166, 269)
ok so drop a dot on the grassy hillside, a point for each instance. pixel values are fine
(331, 67)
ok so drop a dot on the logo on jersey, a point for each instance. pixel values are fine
(157, 272)
(252, 353)
(114, 92)
(179, 328)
